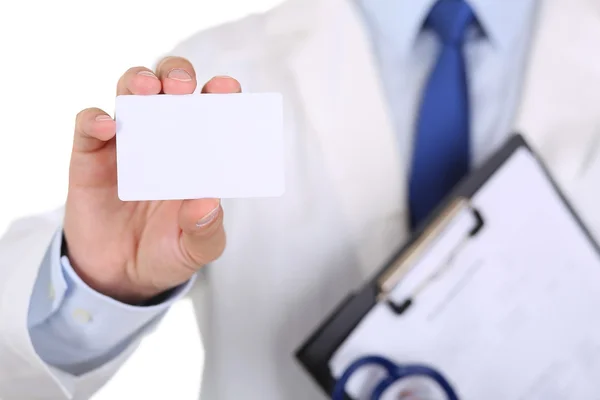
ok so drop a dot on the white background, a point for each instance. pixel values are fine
(56, 58)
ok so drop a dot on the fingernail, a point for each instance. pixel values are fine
(147, 73)
(104, 117)
(179, 75)
(208, 218)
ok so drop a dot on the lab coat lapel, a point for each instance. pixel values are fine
(560, 109)
(341, 92)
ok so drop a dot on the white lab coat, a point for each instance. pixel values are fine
(289, 261)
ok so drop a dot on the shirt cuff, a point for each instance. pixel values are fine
(82, 325)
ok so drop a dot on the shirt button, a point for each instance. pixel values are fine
(82, 316)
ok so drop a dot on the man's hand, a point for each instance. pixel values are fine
(132, 251)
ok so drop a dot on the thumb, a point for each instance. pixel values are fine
(93, 128)
(93, 159)
(202, 237)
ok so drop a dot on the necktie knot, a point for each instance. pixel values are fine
(449, 19)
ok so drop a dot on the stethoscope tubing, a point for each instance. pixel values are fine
(395, 373)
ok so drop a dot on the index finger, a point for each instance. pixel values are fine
(138, 80)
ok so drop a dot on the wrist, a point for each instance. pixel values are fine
(118, 286)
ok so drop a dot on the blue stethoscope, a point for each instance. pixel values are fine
(395, 373)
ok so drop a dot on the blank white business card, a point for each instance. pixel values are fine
(174, 147)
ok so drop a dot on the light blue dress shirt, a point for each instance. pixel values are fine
(78, 329)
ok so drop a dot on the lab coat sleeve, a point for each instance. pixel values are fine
(24, 249)
(23, 374)
(77, 329)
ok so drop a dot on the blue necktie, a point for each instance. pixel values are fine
(441, 145)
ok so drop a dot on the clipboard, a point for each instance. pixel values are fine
(388, 290)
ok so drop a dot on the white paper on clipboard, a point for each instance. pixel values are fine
(517, 316)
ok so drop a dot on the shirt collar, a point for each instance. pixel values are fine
(503, 20)
(398, 22)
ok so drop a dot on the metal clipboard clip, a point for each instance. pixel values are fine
(432, 252)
